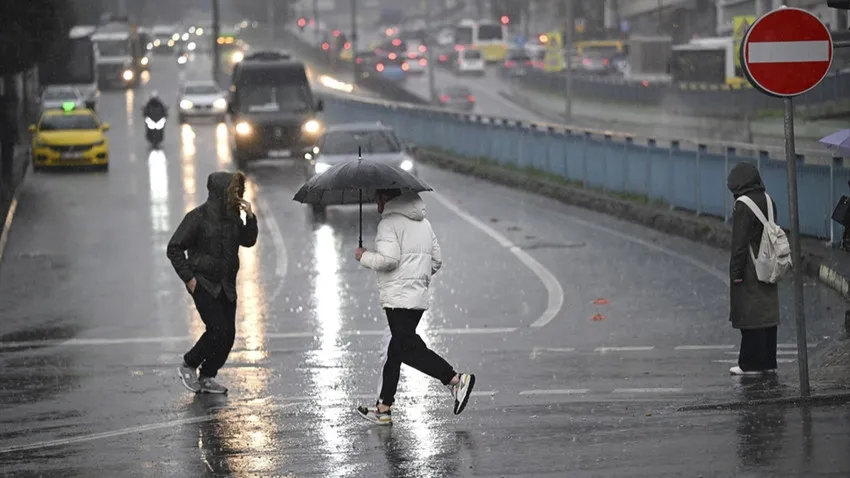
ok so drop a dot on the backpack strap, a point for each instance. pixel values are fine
(757, 211)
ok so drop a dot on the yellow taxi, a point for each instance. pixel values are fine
(69, 137)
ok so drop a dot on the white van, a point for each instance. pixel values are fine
(470, 62)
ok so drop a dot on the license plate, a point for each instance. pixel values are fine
(280, 152)
(72, 155)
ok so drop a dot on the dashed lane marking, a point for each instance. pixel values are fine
(778, 352)
(563, 391)
(648, 390)
(553, 287)
(625, 349)
(705, 347)
(371, 396)
(538, 350)
(735, 361)
(117, 433)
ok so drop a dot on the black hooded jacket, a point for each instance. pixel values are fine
(754, 304)
(212, 234)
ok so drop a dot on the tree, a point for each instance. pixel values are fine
(28, 30)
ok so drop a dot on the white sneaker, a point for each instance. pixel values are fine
(376, 417)
(462, 391)
(738, 371)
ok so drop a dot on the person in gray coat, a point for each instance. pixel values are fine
(754, 305)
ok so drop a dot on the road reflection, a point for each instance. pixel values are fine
(452, 453)
(130, 106)
(760, 429)
(222, 146)
(189, 164)
(327, 371)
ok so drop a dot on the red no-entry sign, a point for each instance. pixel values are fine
(786, 52)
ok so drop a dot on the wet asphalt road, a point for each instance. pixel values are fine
(93, 321)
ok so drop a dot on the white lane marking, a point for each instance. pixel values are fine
(564, 391)
(624, 349)
(4, 237)
(371, 396)
(735, 361)
(553, 287)
(778, 352)
(269, 221)
(272, 335)
(117, 433)
(705, 347)
(720, 275)
(787, 52)
(536, 351)
(647, 390)
(794, 346)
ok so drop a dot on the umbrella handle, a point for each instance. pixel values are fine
(360, 241)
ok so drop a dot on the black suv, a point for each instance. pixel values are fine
(272, 109)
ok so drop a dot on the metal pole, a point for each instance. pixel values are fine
(429, 53)
(799, 312)
(568, 60)
(354, 40)
(216, 27)
(316, 19)
(271, 21)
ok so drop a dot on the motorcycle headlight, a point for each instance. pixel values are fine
(182, 60)
(145, 61)
(238, 56)
(407, 165)
(312, 127)
(220, 104)
(243, 128)
(322, 167)
(128, 75)
(191, 46)
(186, 105)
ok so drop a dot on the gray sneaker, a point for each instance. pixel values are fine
(208, 385)
(189, 377)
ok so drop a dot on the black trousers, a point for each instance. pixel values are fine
(407, 347)
(758, 349)
(219, 315)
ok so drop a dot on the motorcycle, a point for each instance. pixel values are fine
(155, 131)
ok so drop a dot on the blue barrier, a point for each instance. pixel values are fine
(688, 176)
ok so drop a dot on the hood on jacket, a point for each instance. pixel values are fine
(744, 178)
(409, 205)
(224, 189)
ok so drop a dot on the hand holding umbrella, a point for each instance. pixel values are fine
(354, 178)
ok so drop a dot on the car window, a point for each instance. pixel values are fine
(201, 90)
(263, 98)
(472, 54)
(458, 91)
(370, 142)
(65, 122)
(60, 94)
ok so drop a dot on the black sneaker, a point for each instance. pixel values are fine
(376, 417)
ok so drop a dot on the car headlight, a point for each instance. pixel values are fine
(145, 61)
(407, 165)
(312, 127)
(182, 60)
(322, 167)
(175, 37)
(220, 104)
(99, 143)
(171, 43)
(186, 105)
(243, 128)
(128, 75)
(185, 37)
(191, 46)
(238, 56)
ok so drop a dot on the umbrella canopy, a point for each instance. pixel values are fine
(356, 179)
(838, 141)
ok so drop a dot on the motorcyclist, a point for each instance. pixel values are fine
(155, 109)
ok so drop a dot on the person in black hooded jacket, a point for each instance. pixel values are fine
(211, 234)
(754, 305)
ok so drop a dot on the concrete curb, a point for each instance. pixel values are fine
(13, 206)
(706, 230)
(838, 398)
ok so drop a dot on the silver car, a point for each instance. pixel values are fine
(54, 97)
(377, 142)
(201, 99)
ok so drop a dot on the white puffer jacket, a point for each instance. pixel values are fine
(406, 254)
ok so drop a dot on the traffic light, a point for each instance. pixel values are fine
(505, 19)
(839, 4)
(302, 22)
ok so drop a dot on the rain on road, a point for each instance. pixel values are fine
(585, 333)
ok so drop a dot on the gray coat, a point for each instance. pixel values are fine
(753, 304)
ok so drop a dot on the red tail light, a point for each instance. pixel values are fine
(586, 61)
(325, 46)
(411, 55)
(405, 66)
(396, 42)
(347, 45)
(392, 56)
(444, 57)
(471, 98)
(336, 33)
(459, 47)
(510, 64)
(423, 48)
(423, 62)
(359, 61)
(445, 99)
(380, 67)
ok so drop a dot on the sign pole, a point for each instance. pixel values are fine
(796, 255)
(568, 54)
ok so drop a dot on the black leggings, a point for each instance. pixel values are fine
(758, 349)
(219, 315)
(407, 347)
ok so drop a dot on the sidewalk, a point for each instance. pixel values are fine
(655, 122)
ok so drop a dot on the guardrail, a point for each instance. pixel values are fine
(687, 175)
(690, 98)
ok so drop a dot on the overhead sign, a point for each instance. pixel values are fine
(553, 60)
(787, 52)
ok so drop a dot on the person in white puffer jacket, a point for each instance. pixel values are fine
(406, 255)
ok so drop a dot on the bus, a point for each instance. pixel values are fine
(73, 64)
(491, 38)
(707, 61)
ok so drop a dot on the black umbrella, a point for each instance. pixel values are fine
(354, 178)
